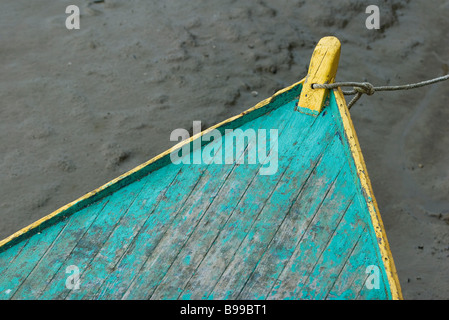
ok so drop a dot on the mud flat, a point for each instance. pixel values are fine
(80, 107)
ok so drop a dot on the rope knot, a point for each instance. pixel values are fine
(365, 87)
(360, 88)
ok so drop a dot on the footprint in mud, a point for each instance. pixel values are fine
(114, 155)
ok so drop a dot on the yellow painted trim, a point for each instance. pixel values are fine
(376, 218)
(357, 155)
(322, 69)
(140, 167)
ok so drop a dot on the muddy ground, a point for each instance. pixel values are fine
(80, 107)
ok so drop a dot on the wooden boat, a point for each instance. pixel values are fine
(310, 229)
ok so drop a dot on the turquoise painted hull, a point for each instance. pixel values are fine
(216, 231)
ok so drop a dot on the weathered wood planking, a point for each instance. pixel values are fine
(210, 231)
(113, 250)
(167, 248)
(290, 233)
(354, 152)
(23, 264)
(239, 216)
(51, 262)
(117, 214)
(278, 99)
(184, 265)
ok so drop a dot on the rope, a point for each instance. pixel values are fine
(360, 88)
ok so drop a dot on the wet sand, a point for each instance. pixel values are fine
(80, 107)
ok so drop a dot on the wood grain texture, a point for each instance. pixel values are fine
(51, 262)
(24, 263)
(209, 231)
(278, 99)
(353, 146)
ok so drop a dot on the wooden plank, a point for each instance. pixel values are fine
(121, 238)
(92, 236)
(51, 262)
(166, 286)
(332, 259)
(161, 259)
(236, 270)
(291, 231)
(278, 99)
(291, 281)
(232, 234)
(261, 235)
(204, 235)
(262, 229)
(338, 103)
(265, 106)
(324, 218)
(322, 69)
(100, 231)
(7, 257)
(154, 231)
(383, 292)
(348, 283)
(25, 262)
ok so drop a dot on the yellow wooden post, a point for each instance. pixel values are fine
(322, 69)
